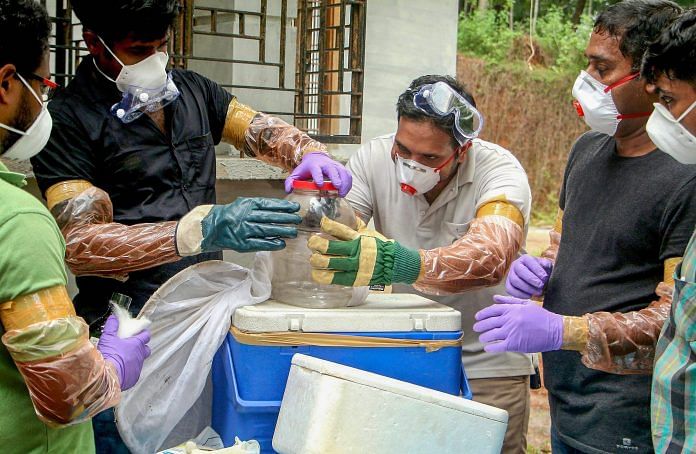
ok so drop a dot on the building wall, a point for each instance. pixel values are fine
(405, 39)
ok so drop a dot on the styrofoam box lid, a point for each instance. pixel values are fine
(381, 313)
(399, 387)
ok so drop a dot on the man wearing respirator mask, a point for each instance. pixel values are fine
(669, 67)
(52, 379)
(626, 212)
(129, 170)
(456, 208)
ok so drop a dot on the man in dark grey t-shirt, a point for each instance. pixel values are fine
(626, 215)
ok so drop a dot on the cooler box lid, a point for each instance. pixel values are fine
(329, 407)
(381, 313)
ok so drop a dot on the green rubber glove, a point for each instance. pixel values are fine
(250, 224)
(360, 257)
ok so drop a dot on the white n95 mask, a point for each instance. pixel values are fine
(35, 138)
(670, 136)
(149, 74)
(595, 104)
(416, 178)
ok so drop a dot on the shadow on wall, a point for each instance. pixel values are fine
(531, 115)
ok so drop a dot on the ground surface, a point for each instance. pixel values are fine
(539, 421)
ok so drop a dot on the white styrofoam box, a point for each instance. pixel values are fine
(331, 408)
(380, 313)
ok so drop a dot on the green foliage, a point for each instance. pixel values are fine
(487, 35)
(563, 42)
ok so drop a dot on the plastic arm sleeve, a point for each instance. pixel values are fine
(267, 138)
(68, 379)
(97, 246)
(622, 343)
(555, 236)
(479, 259)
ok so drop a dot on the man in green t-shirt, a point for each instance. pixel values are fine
(52, 379)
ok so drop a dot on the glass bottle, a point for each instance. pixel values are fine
(292, 277)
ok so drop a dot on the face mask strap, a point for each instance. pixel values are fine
(621, 81)
(442, 166)
(633, 115)
(31, 90)
(686, 112)
(102, 72)
(111, 52)
(28, 87)
(11, 129)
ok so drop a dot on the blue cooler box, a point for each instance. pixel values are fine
(249, 380)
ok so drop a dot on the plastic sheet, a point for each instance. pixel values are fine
(68, 380)
(275, 142)
(479, 259)
(97, 246)
(191, 314)
(625, 343)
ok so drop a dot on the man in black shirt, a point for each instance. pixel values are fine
(134, 144)
(625, 218)
(129, 170)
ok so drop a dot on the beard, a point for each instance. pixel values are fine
(21, 122)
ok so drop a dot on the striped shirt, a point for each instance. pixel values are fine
(674, 380)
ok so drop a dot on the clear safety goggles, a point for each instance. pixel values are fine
(439, 100)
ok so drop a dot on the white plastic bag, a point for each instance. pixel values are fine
(191, 315)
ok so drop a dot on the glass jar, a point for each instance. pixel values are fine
(292, 274)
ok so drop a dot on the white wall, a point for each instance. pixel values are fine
(404, 39)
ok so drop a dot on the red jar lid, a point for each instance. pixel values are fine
(310, 185)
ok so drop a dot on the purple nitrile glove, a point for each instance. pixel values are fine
(317, 166)
(517, 325)
(127, 355)
(528, 276)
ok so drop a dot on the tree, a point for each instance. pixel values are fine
(579, 8)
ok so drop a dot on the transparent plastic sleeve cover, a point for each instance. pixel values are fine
(97, 246)
(275, 142)
(68, 379)
(625, 343)
(479, 259)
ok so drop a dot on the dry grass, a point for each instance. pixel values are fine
(530, 114)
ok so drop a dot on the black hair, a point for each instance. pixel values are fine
(24, 32)
(674, 52)
(405, 107)
(114, 20)
(636, 23)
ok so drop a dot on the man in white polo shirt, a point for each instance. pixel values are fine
(456, 209)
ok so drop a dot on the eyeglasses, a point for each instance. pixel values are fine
(48, 87)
